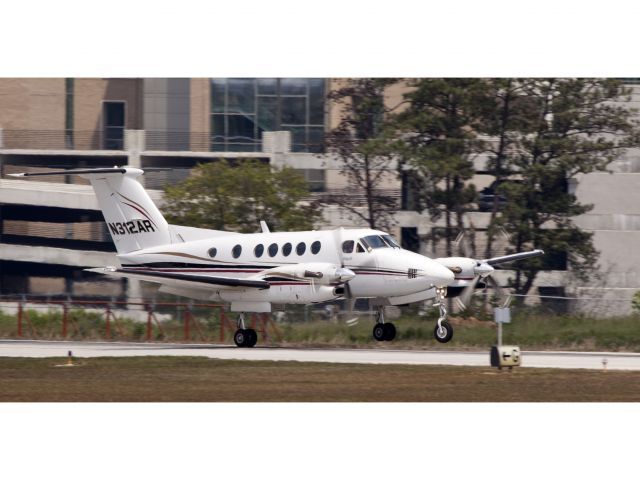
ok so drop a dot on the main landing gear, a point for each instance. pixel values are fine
(383, 331)
(443, 331)
(244, 337)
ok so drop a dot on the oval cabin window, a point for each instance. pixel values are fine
(301, 248)
(237, 250)
(212, 252)
(273, 249)
(286, 249)
(258, 250)
(315, 247)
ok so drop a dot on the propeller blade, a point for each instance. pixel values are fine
(496, 287)
(465, 296)
(461, 244)
(461, 305)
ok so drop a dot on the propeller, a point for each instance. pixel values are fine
(473, 270)
(348, 296)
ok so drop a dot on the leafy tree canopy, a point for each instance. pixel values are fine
(225, 196)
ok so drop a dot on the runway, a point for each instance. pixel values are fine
(537, 359)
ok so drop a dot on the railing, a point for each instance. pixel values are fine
(126, 320)
(115, 138)
(356, 198)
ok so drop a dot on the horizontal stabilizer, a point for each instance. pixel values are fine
(77, 171)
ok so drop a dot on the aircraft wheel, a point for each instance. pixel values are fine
(389, 331)
(379, 331)
(252, 337)
(241, 337)
(443, 334)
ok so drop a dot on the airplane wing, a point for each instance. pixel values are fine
(183, 280)
(513, 257)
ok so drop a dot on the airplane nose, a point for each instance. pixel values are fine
(440, 275)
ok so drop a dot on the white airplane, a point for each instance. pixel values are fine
(253, 272)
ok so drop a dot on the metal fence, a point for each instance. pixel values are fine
(126, 320)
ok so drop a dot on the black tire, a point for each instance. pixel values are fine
(389, 331)
(379, 332)
(241, 337)
(446, 335)
(252, 337)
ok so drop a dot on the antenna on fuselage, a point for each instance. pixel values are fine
(264, 227)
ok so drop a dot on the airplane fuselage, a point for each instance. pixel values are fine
(382, 269)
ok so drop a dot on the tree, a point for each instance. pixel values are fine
(503, 118)
(438, 138)
(361, 142)
(554, 130)
(225, 196)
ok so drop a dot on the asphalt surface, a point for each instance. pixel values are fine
(39, 349)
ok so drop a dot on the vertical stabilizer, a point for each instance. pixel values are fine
(133, 220)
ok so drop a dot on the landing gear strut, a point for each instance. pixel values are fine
(244, 337)
(383, 331)
(443, 331)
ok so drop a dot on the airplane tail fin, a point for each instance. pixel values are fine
(133, 220)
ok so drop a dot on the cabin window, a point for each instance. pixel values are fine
(360, 248)
(347, 246)
(237, 250)
(273, 249)
(301, 248)
(259, 250)
(212, 252)
(315, 247)
(286, 249)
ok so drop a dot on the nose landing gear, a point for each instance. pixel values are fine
(244, 337)
(443, 331)
(383, 331)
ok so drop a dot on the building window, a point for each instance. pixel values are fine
(68, 112)
(243, 108)
(315, 177)
(114, 123)
(410, 239)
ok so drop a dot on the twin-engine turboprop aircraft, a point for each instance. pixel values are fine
(253, 272)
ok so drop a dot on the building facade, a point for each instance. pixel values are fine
(49, 230)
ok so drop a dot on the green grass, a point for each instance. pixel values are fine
(197, 379)
(530, 329)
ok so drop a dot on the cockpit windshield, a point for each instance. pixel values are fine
(391, 241)
(374, 241)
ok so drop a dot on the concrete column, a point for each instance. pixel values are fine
(134, 293)
(134, 144)
(278, 145)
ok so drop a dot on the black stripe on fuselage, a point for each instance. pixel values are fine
(196, 265)
(222, 281)
(228, 266)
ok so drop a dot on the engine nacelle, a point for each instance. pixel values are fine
(319, 273)
(282, 294)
